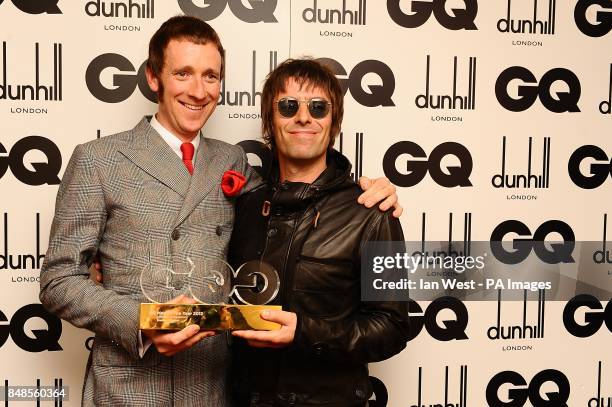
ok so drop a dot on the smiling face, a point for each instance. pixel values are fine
(302, 140)
(188, 86)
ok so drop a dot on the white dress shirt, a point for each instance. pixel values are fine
(173, 141)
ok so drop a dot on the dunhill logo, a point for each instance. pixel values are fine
(467, 238)
(533, 26)
(247, 97)
(358, 163)
(604, 106)
(129, 9)
(25, 261)
(603, 256)
(528, 180)
(462, 390)
(315, 14)
(599, 401)
(453, 101)
(524, 330)
(37, 91)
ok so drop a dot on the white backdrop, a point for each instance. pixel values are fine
(382, 50)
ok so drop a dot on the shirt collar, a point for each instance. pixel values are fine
(173, 141)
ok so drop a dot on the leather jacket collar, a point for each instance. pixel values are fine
(294, 196)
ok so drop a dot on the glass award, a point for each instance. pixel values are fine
(196, 293)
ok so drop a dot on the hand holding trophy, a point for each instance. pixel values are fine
(168, 342)
(178, 299)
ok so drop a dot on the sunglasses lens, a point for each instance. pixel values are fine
(288, 107)
(318, 108)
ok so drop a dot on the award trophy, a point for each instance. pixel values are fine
(256, 284)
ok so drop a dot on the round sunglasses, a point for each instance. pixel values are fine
(289, 106)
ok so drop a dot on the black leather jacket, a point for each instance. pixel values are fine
(313, 236)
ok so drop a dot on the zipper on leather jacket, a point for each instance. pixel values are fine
(296, 222)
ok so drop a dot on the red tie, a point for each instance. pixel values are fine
(187, 150)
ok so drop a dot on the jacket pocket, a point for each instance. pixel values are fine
(324, 276)
(108, 353)
(324, 289)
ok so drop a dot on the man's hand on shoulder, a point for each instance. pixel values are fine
(379, 190)
(272, 339)
(95, 271)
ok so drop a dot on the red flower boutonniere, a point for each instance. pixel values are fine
(232, 182)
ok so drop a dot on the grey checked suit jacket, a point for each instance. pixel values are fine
(129, 198)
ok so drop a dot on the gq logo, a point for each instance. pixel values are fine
(381, 395)
(593, 319)
(598, 171)
(462, 19)
(44, 339)
(43, 173)
(559, 253)
(454, 176)
(452, 329)
(527, 94)
(124, 83)
(603, 20)
(260, 11)
(37, 6)
(378, 95)
(518, 395)
(263, 153)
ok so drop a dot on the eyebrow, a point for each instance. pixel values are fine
(189, 68)
(211, 70)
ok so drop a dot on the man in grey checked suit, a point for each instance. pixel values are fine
(129, 199)
(143, 197)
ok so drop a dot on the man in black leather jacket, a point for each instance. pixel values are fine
(306, 223)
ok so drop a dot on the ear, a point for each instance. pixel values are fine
(152, 80)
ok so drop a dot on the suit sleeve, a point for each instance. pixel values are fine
(377, 331)
(65, 287)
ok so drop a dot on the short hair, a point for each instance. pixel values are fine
(306, 72)
(181, 27)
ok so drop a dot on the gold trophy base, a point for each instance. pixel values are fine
(210, 317)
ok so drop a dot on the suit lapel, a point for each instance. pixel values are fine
(209, 167)
(153, 155)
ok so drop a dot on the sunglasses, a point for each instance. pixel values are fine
(289, 106)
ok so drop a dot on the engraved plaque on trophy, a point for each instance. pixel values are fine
(256, 284)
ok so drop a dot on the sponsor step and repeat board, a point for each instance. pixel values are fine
(492, 118)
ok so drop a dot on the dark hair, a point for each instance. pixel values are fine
(306, 72)
(181, 27)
